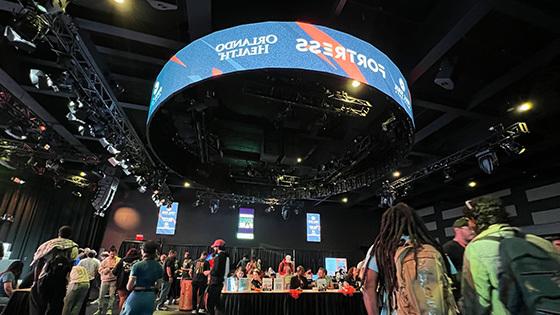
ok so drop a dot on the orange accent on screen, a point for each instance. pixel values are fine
(177, 61)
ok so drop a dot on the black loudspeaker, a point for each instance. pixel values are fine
(444, 76)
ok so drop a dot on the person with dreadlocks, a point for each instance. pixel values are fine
(506, 271)
(405, 266)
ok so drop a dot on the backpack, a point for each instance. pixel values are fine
(57, 265)
(529, 276)
(423, 284)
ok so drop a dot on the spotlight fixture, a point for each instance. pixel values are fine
(198, 203)
(186, 184)
(285, 212)
(472, 184)
(214, 205)
(355, 83)
(40, 80)
(16, 132)
(83, 174)
(344, 200)
(77, 194)
(19, 42)
(299, 160)
(487, 161)
(524, 107)
(269, 209)
(447, 175)
(119, 1)
(513, 147)
(17, 180)
(142, 189)
(396, 174)
(7, 218)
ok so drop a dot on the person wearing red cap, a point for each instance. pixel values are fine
(217, 277)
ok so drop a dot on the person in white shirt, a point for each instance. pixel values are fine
(92, 265)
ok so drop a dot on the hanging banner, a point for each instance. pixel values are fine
(167, 219)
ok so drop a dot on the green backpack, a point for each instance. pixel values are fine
(529, 276)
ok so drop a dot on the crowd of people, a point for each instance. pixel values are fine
(489, 267)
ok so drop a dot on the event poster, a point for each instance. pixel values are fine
(313, 227)
(167, 219)
(246, 223)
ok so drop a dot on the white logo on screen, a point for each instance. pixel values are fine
(401, 83)
(400, 91)
(156, 92)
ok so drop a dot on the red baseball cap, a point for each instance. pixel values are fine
(218, 243)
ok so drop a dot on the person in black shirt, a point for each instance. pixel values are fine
(299, 281)
(217, 276)
(200, 273)
(455, 249)
(256, 282)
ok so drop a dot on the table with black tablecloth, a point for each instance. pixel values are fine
(19, 303)
(282, 303)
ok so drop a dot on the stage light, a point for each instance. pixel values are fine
(472, 184)
(214, 205)
(524, 107)
(299, 160)
(198, 203)
(83, 174)
(396, 174)
(39, 79)
(344, 200)
(186, 184)
(513, 147)
(42, 128)
(355, 83)
(77, 194)
(16, 132)
(487, 161)
(17, 180)
(447, 175)
(269, 209)
(119, 1)
(285, 212)
(142, 189)
(19, 42)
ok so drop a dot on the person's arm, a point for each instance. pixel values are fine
(369, 292)
(131, 283)
(475, 285)
(169, 273)
(8, 288)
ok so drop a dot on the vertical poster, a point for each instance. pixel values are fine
(167, 219)
(314, 227)
(246, 224)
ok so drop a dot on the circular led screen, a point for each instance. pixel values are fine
(286, 110)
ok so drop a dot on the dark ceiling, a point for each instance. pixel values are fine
(505, 52)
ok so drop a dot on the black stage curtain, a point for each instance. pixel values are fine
(270, 257)
(39, 209)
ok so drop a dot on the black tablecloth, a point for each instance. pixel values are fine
(18, 304)
(320, 303)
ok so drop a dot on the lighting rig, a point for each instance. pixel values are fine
(485, 152)
(95, 98)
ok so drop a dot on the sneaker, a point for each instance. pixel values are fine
(202, 311)
(109, 312)
(194, 312)
(163, 308)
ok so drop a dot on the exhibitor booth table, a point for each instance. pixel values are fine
(309, 302)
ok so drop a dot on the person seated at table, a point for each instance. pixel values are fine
(322, 274)
(256, 282)
(252, 264)
(352, 278)
(299, 281)
(239, 273)
(8, 279)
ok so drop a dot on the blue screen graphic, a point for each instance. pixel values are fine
(335, 264)
(313, 227)
(167, 219)
(280, 45)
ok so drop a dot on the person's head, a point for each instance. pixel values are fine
(240, 272)
(172, 253)
(352, 272)
(462, 230)
(16, 268)
(273, 275)
(162, 257)
(187, 255)
(92, 253)
(252, 259)
(398, 221)
(132, 253)
(218, 245)
(149, 250)
(203, 255)
(244, 257)
(112, 251)
(288, 258)
(300, 271)
(65, 231)
(321, 273)
(555, 240)
(485, 211)
(256, 274)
